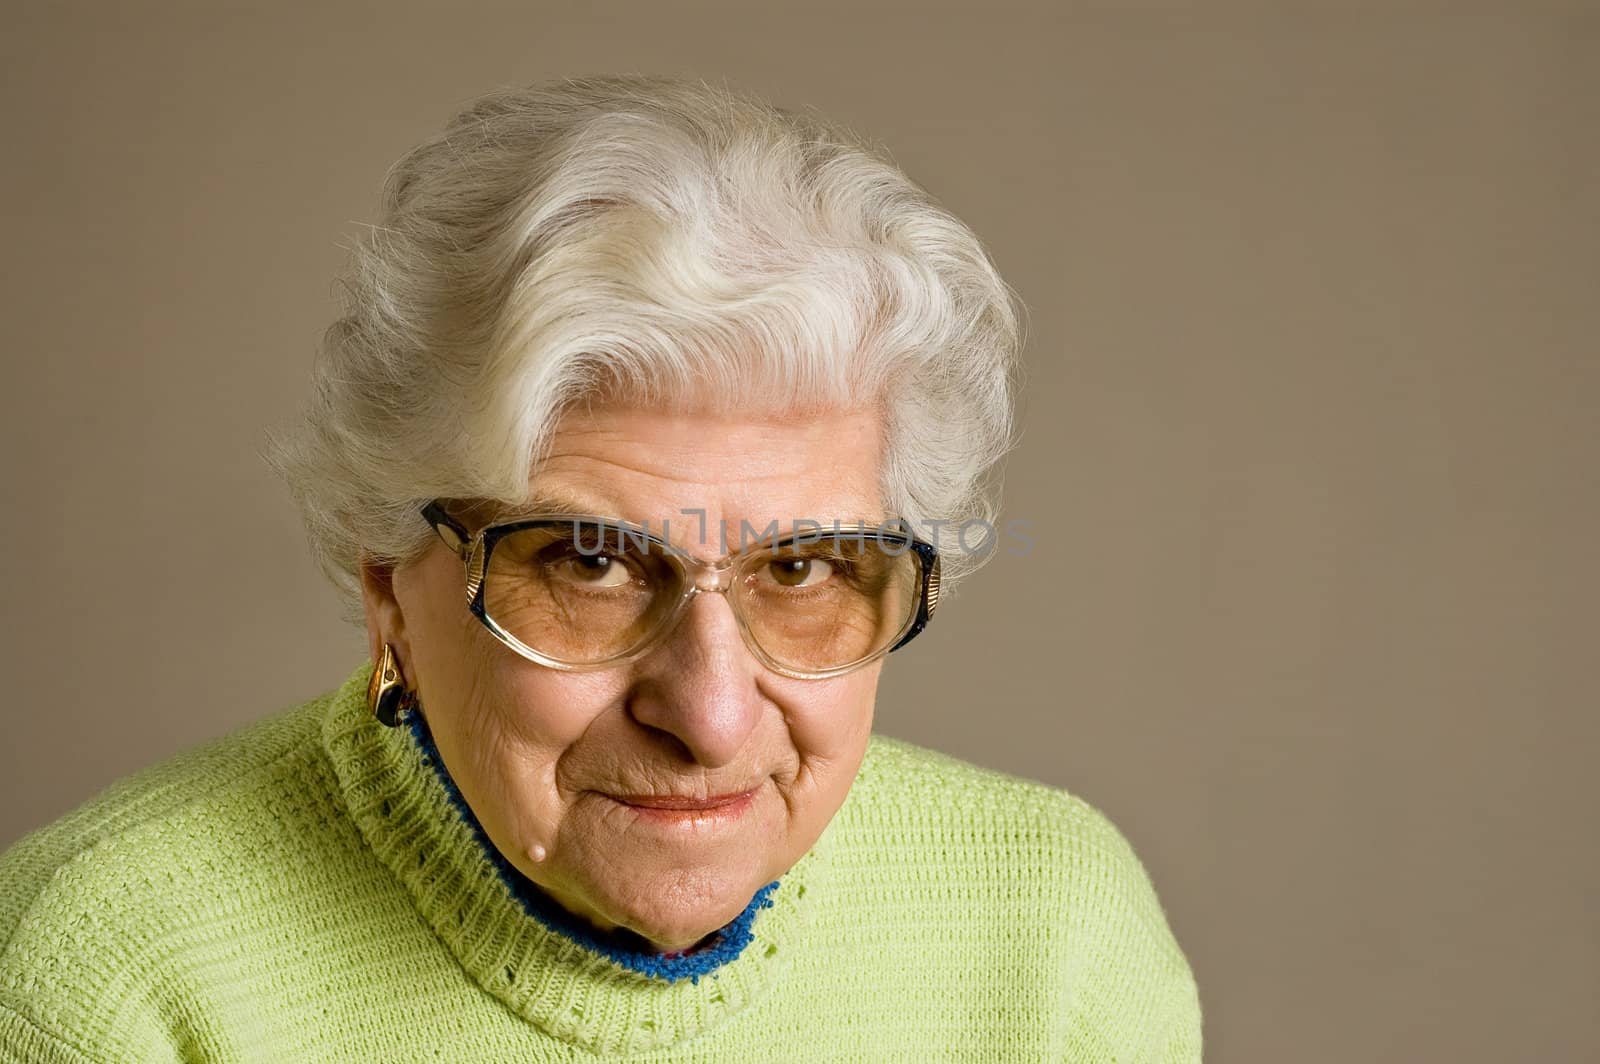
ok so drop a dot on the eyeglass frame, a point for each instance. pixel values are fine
(475, 549)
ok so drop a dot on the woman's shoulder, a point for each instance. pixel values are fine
(901, 778)
(113, 915)
(143, 815)
(995, 835)
(1053, 902)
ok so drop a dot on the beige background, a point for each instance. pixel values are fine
(1310, 436)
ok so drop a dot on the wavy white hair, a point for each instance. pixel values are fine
(645, 239)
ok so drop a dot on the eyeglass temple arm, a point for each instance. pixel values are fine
(931, 580)
(448, 528)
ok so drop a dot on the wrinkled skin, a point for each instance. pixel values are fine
(538, 753)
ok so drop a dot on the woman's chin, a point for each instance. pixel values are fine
(679, 911)
(658, 943)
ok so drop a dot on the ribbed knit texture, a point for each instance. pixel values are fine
(306, 890)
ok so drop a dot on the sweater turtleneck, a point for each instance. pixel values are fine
(597, 991)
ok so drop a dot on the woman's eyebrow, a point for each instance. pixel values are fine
(548, 503)
(541, 503)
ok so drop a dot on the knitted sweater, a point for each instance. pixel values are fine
(312, 889)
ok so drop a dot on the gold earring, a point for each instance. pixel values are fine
(387, 694)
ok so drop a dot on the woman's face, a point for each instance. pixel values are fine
(545, 757)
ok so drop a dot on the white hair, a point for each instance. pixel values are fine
(656, 240)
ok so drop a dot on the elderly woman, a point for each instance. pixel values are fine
(646, 435)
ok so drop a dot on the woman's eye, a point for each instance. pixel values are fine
(594, 570)
(799, 572)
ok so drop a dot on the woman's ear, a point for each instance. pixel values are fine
(385, 619)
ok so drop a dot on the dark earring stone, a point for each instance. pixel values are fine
(387, 695)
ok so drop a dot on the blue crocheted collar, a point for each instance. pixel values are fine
(719, 949)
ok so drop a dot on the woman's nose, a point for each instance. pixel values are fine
(699, 685)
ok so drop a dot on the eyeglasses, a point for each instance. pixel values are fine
(579, 592)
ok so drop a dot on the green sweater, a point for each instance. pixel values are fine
(310, 889)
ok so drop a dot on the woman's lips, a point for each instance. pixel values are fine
(680, 808)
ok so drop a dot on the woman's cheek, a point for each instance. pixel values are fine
(835, 727)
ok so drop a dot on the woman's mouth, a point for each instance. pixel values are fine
(678, 808)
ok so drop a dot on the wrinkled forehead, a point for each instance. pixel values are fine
(709, 481)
